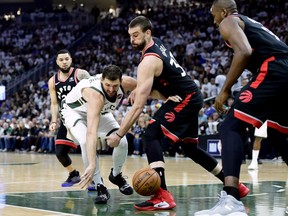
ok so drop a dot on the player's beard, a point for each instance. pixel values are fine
(65, 70)
(140, 46)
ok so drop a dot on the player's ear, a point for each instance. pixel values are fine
(148, 32)
(224, 12)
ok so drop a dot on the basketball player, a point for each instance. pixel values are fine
(260, 51)
(88, 114)
(177, 120)
(59, 85)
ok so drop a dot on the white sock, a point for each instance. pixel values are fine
(119, 156)
(255, 154)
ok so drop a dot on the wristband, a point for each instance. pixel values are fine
(53, 123)
(119, 135)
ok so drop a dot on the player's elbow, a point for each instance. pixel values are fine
(247, 52)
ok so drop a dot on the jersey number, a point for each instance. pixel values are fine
(173, 62)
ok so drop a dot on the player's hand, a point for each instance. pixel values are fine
(87, 177)
(174, 98)
(113, 140)
(52, 126)
(131, 97)
(219, 102)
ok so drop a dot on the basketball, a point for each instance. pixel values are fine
(146, 181)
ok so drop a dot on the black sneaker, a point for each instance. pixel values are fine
(102, 194)
(118, 180)
(73, 178)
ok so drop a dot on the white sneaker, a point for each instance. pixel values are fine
(253, 166)
(226, 205)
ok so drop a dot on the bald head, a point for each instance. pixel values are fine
(229, 5)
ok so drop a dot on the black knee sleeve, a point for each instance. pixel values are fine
(199, 156)
(233, 134)
(152, 143)
(62, 154)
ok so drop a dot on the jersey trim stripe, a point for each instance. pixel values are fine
(65, 142)
(77, 103)
(170, 135)
(247, 118)
(263, 72)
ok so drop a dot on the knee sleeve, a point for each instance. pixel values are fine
(233, 134)
(62, 154)
(152, 132)
(199, 156)
(152, 143)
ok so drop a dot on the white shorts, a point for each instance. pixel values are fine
(262, 131)
(107, 122)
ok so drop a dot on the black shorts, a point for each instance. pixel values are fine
(180, 120)
(62, 139)
(263, 97)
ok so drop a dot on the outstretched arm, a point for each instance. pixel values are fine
(95, 103)
(149, 66)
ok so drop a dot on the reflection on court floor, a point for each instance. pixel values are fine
(267, 198)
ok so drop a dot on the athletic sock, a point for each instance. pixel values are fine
(232, 191)
(160, 171)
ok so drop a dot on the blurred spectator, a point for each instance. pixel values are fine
(138, 130)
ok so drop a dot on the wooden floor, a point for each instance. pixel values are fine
(30, 184)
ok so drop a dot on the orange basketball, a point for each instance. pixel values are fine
(146, 181)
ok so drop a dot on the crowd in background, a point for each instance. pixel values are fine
(186, 28)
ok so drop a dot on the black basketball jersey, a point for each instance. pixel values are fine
(173, 79)
(63, 87)
(264, 43)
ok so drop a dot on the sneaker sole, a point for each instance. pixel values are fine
(67, 185)
(91, 189)
(152, 208)
(70, 184)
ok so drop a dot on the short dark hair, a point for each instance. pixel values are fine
(229, 5)
(141, 21)
(112, 72)
(63, 51)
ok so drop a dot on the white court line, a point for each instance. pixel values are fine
(50, 191)
(42, 210)
(74, 198)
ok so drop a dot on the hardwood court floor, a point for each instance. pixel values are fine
(30, 184)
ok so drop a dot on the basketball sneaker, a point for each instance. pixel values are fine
(73, 178)
(118, 180)
(102, 194)
(226, 205)
(163, 199)
(243, 190)
(92, 187)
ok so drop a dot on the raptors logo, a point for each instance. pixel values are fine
(170, 116)
(246, 96)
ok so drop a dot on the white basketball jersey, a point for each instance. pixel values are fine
(75, 100)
